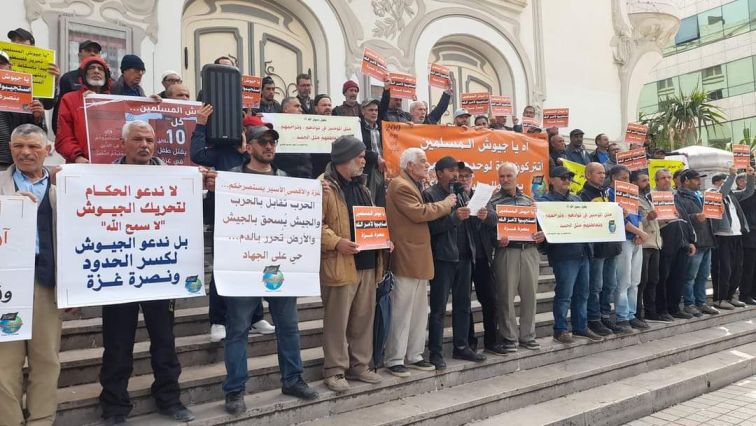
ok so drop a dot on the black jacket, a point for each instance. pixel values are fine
(677, 234)
(687, 206)
(749, 210)
(598, 195)
(444, 230)
(433, 117)
(371, 157)
(569, 251)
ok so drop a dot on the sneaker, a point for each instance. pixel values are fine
(497, 349)
(588, 334)
(690, 309)
(217, 332)
(682, 315)
(235, 404)
(422, 365)
(337, 383)
(667, 317)
(115, 420)
(468, 354)
(724, 304)
(531, 344)
(509, 347)
(707, 309)
(748, 300)
(737, 303)
(367, 376)
(301, 390)
(438, 362)
(621, 327)
(399, 371)
(599, 328)
(564, 337)
(178, 413)
(262, 327)
(638, 324)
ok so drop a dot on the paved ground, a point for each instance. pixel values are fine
(731, 405)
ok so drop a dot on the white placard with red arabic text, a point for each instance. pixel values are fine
(18, 225)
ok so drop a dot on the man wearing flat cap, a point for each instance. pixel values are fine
(375, 165)
(575, 151)
(132, 70)
(70, 81)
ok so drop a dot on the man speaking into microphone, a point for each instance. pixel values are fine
(453, 247)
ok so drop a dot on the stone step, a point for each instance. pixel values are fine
(201, 384)
(459, 403)
(635, 397)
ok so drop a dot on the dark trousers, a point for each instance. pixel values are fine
(119, 323)
(454, 276)
(484, 290)
(649, 281)
(673, 272)
(729, 262)
(748, 280)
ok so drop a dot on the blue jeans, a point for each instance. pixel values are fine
(238, 316)
(629, 268)
(571, 292)
(603, 279)
(699, 266)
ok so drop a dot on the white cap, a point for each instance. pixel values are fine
(169, 72)
(460, 112)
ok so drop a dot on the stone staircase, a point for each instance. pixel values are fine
(464, 392)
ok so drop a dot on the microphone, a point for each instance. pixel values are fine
(459, 190)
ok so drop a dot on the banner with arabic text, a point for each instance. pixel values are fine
(15, 92)
(578, 222)
(18, 223)
(301, 133)
(655, 165)
(267, 235)
(128, 233)
(370, 227)
(35, 61)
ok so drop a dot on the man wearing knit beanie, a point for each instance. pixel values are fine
(347, 275)
(132, 70)
(350, 107)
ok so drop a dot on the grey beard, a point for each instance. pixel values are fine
(95, 83)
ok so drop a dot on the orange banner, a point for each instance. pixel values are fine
(636, 133)
(439, 76)
(251, 91)
(664, 204)
(475, 103)
(483, 150)
(741, 156)
(634, 159)
(517, 223)
(374, 65)
(501, 105)
(713, 205)
(15, 92)
(402, 85)
(556, 117)
(370, 227)
(626, 195)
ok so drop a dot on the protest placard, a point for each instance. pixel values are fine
(664, 204)
(556, 117)
(480, 198)
(35, 61)
(636, 133)
(402, 85)
(482, 150)
(301, 133)
(370, 227)
(267, 235)
(656, 165)
(578, 181)
(501, 105)
(626, 195)
(635, 159)
(128, 233)
(438, 76)
(15, 92)
(172, 120)
(530, 122)
(576, 222)
(517, 223)
(251, 91)
(18, 225)
(741, 156)
(713, 205)
(374, 65)
(475, 103)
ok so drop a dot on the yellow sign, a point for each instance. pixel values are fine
(35, 61)
(579, 180)
(654, 165)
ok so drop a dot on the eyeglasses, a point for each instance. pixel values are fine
(270, 142)
(173, 80)
(465, 176)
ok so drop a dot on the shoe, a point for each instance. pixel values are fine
(217, 332)
(724, 304)
(468, 354)
(178, 413)
(599, 328)
(115, 420)
(748, 300)
(638, 324)
(621, 328)
(588, 334)
(707, 309)
(564, 337)
(509, 347)
(531, 344)
(301, 390)
(399, 371)
(667, 317)
(337, 383)
(262, 327)
(690, 309)
(438, 362)
(235, 404)
(367, 376)
(497, 349)
(737, 303)
(682, 315)
(654, 317)
(422, 365)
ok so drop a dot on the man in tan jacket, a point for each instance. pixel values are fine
(411, 262)
(347, 275)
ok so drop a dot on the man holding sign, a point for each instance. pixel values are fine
(348, 272)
